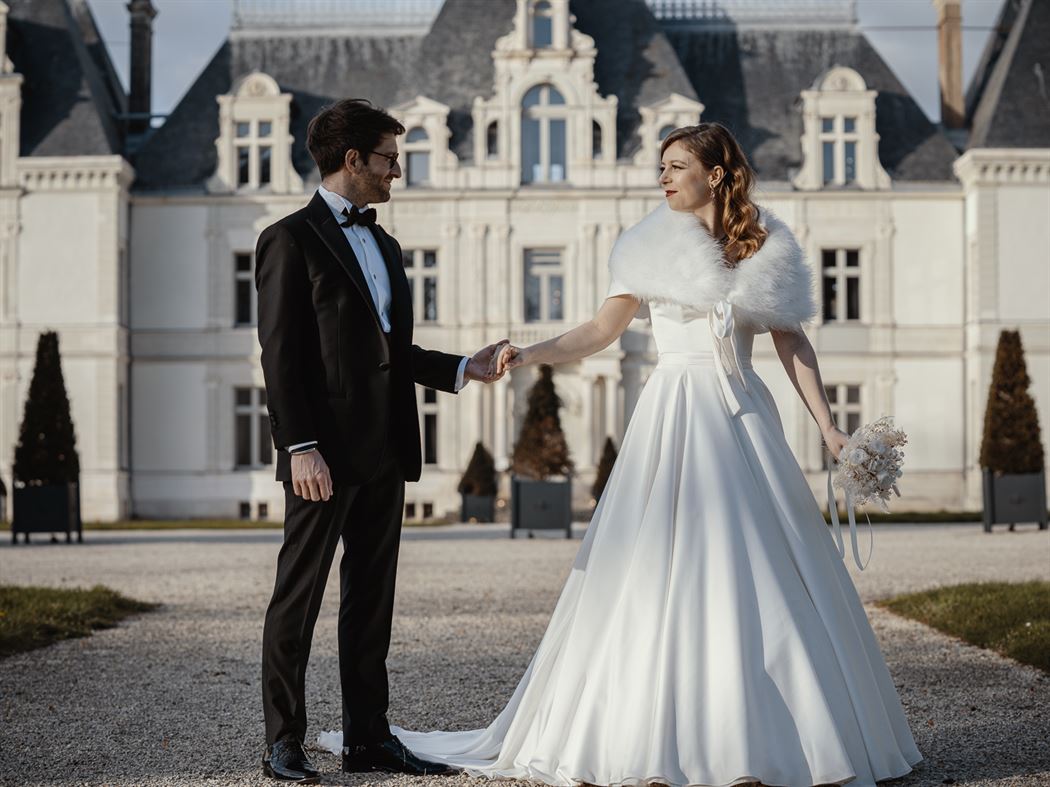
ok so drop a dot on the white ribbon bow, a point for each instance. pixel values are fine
(833, 509)
(727, 358)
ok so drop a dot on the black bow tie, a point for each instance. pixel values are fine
(365, 218)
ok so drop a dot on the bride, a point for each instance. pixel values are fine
(708, 633)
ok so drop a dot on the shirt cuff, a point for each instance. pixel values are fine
(460, 382)
(293, 448)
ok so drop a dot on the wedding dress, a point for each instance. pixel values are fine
(708, 633)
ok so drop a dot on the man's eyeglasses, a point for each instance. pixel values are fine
(391, 158)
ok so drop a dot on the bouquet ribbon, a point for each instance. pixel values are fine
(833, 509)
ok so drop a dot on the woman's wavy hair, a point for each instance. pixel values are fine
(714, 146)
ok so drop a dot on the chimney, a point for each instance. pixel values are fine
(3, 33)
(949, 62)
(141, 72)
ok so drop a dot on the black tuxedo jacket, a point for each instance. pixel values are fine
(331, 373)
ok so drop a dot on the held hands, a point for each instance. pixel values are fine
(492, 362)
(311, 479)
(835, 440)
(509, 358)
(483, 364)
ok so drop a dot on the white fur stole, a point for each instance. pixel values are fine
(669, 257)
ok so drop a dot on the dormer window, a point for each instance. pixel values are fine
(254, 145)
(838, 141)
(425, 155)
(839, 145)
(543, 136)
(417, 150)
(661, 118)
(542, 25)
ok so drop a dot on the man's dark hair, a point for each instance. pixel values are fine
(350, 123)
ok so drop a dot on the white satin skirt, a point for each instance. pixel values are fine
(709, 633)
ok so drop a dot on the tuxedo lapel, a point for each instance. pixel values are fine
(400, 293)
(322, 222)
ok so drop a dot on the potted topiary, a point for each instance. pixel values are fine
(605, 466)
(1012, 465)
(478, 487)
(541, 486)
(46, 468)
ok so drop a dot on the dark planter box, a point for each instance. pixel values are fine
(1014, 498)
(480, 508)
(54, 508)
(540, 505)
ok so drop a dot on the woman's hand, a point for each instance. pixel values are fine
(509, 358)
(835, 440)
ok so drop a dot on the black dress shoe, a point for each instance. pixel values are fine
(286, 760)
(392, 757)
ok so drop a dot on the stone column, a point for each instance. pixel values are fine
(586, 383)
(613, 417)
(501, 391)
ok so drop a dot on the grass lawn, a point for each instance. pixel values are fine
(164, 524)
(197, 524)
(879, 518)
(32, 617)
(1010, 618)
(910, 517)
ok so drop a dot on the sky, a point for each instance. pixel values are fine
(186, 33)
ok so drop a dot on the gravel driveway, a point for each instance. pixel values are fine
(172, 697)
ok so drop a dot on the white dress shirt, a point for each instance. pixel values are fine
(370, 258)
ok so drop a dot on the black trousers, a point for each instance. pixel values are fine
(368, 519)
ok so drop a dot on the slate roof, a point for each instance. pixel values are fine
(749, 79)
(635, 62)
(71, 95)
(452, 64)
(1008, 104)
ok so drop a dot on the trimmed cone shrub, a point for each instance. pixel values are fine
(1011, 443)
(480, 476)
(541, 450)
(605, 466)
(46, 452)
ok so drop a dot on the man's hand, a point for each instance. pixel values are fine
(311, 479)
(482, 366)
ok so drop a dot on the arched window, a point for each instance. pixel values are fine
(417, 150)
(665, 131)
(492, 140)
(596, 139)
(542, 25)
(543, 119)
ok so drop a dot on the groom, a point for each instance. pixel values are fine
(335, 325)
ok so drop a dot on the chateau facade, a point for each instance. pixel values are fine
(533, 137)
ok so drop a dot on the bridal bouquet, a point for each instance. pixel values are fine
(870, 464)
(867, 470)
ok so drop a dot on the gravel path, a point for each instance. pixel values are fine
(172, 697)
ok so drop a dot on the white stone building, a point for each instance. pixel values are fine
(534, 128)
